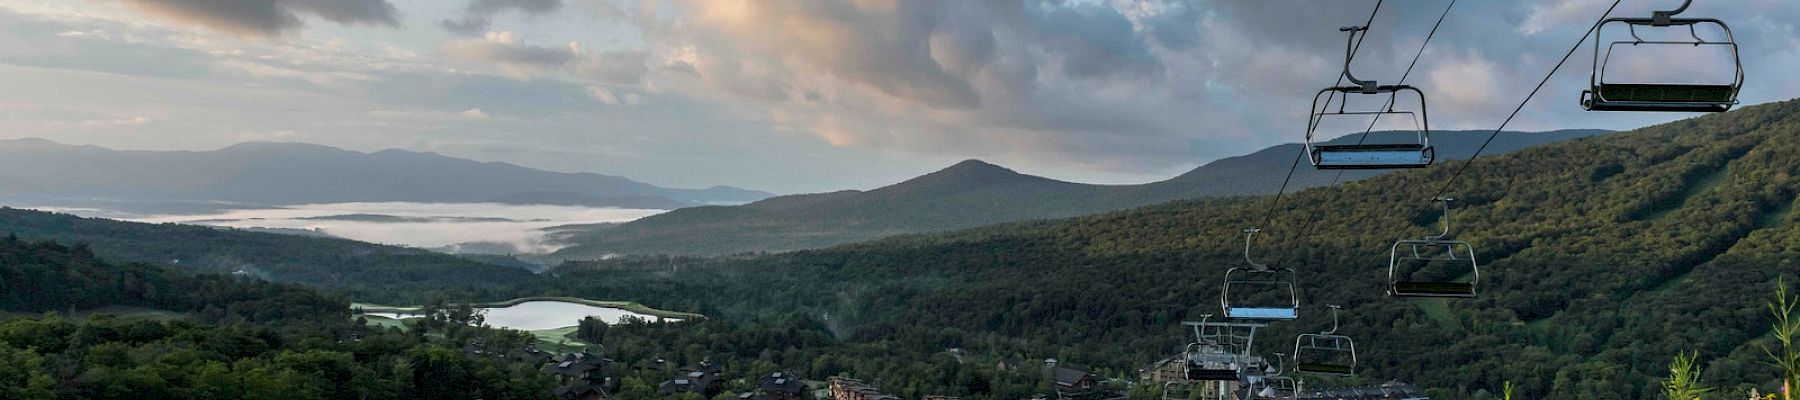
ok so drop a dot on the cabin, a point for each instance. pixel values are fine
(575, 368)
(582, 391)
(1071, 381)
(702, 378)
(780, 385)
(530, 354)
(851, 389)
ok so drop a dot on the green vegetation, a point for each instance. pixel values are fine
(1683, 382)
(360, 270)
(1576, 240)
(967, 195)
(247, 339)
(1600, 259)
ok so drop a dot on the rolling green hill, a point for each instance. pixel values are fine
(1602, 258)
(367, 272)
(970, 194)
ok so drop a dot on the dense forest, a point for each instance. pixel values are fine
(363, 271)
(229, 338)
(1601, 258)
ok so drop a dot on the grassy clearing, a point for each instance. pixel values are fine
(1438, 310)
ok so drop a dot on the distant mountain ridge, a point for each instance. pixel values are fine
(267, 173)
(975, 193)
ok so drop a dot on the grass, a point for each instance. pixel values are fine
(1438, 310)
(558, 340)
(385, 322)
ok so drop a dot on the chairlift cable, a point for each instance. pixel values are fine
(1521, 107)
(1275, 203)
(1306, 226)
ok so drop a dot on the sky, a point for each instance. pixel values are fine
(795, 96)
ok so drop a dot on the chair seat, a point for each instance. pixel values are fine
(1434, 289)
(1261, 313)
(1666, 93)
(1371, 156)
(1212, 374)
(1320, 368)
(1661, 97)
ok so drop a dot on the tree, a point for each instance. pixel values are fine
(1683, 382)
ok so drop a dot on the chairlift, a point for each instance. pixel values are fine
(1413, 153)
(1277, 280)
(1408, 258)
(1215, 354)
(1325, 353)
(1274, 384)
(1662, 96)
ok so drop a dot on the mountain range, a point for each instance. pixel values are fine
(1601, 259)
(974, 193)
(42, 172)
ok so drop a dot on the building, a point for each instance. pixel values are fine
(582, 391)
(851, 389)
(575, 368)
(531, 354)
(1165, 370)
(1071, 381)
(702, 378)
(579, 376)
(780, 385)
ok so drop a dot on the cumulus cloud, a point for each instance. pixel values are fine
(478, 16)
(996, 79)
(267, 18)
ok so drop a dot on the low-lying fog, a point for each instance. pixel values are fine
(453, 227)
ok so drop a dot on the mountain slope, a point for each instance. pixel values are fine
(41, 171)
(1602, 258)
(368, 272)
(969, 194)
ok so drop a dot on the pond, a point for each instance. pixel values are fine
(541, 315)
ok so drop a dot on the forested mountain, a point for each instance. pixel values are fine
(367, 272)
(38, 171)
(232, 338)
(974, 193)
(1602, 258)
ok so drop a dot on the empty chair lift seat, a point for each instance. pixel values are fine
(1434, 289)
(1261, 313)
(1372, 156)
(1662, 97)
(1319, 368)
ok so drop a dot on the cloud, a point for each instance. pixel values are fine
(989, 78)
(525, 61)
(516, 58)
(267, 18)
(478, 16)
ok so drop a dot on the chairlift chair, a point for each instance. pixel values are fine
(1325, 353)
(1279, 280)
(1439, 248)
(1603, 95)
(1415, 153)
(1214, 356)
